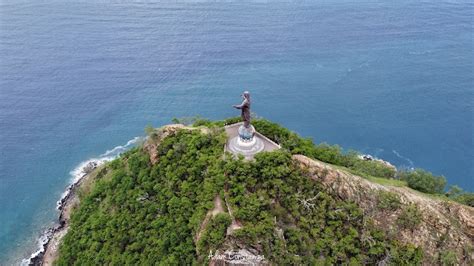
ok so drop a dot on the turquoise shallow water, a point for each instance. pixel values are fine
(78, 78)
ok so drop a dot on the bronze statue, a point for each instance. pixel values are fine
(245, 107)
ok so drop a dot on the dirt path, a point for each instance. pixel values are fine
(218, 208)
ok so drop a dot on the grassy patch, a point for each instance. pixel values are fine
(378, 180)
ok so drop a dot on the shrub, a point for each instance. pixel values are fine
(406, 255)
(423, 181)
(448, 258)
(388, 200)
(465, 198)
(410, 217)
(457, 194)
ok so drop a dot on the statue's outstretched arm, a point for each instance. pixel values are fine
(240, 106)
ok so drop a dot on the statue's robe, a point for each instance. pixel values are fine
(245, 108)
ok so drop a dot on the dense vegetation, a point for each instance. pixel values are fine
(139, 213)
(143, 214)
(417, 179)
(271, 195)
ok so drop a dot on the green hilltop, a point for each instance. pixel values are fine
(177, 198)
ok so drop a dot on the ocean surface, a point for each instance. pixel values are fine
(81, 79)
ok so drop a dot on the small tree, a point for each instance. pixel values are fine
(454, 191)
(424, 181)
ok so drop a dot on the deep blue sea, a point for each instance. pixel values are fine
(78, 78)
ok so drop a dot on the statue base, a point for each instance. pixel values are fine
(246, 133)
(246, 143)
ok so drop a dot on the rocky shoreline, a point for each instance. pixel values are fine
(49, 240)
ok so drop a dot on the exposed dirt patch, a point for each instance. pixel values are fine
(218, 208)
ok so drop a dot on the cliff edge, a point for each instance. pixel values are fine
(441, 225)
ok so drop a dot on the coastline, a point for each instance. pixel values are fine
(50, 239)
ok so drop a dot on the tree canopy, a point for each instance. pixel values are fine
(140, 213)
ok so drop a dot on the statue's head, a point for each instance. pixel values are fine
(246, 95)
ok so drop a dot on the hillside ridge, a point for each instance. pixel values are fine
(252, 217)
(434, 232)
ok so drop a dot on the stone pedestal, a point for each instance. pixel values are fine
(246, 142)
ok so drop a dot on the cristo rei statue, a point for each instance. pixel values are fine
(247, 131)
(246, 141)
(245, 107)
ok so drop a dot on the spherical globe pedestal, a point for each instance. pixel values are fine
(246, 143)
(246, 133)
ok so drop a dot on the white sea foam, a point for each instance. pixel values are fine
(84, 167)
(42, 241)
(77, 174)
(410, 162)
(421, 52)
(119, 149)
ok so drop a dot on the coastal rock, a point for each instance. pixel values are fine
(368, 157)
(90, 167)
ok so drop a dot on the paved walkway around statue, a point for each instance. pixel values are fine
(232, 132)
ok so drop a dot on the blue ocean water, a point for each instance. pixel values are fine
(77, 78)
